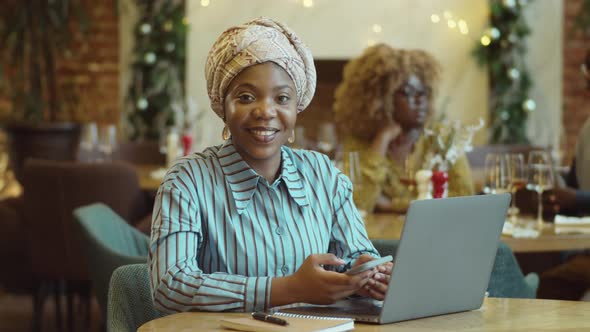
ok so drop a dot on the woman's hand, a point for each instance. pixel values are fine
(385, 137)
(376, 287)
(559, 199)
(312, 284)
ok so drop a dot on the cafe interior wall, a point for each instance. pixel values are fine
(341, 29)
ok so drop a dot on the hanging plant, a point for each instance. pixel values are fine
(501, 49)
(156, 91)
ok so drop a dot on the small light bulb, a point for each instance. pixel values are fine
(371, 42)
(435, 18)
(452, 24)
(377, 28)
(307, 3)
(485, 40)
(205, 3)
(529, 105)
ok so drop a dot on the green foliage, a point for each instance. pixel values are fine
(582, 20)
(510, 81)
(156, 91)
(33, 34)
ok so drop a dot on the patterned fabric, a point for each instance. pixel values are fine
(130, 303)
(221, 232)
(384, 175)
(258, 41)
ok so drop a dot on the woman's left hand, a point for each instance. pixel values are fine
(376, 287)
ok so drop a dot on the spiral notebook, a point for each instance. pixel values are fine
(301, 323)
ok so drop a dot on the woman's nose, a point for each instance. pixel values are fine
(265, 109)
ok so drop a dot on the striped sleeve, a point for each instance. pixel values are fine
(349, 237)
(177, 282)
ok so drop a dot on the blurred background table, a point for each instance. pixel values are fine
(390, 226)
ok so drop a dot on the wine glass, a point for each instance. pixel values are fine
(89, 141)
(490, 173)
(408, 178)
(498, 177)
(327, 139)
(516, 168)
(540, 178)
(107, 141)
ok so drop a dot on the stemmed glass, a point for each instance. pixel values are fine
(498, 177)
(540, 178)
(408, 178)
(89, 141)
(515, 163)
(107, 141)
(327, 139)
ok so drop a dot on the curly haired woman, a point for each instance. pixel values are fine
(381, 108)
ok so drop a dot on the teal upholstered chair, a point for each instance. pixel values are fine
(130, 301)
(506, 279)
(109, 242)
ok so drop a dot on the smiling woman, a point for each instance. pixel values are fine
(251, 224)
(260, 112)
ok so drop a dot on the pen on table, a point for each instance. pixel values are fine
(268, 318)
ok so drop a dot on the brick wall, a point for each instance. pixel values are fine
(576, 99)
(92, 69)
(88, 76)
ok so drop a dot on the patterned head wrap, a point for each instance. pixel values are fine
(258, 41)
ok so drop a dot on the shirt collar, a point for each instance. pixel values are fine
(243, 180)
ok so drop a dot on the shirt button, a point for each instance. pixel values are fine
(285, 269)
(280, 231)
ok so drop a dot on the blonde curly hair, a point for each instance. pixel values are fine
(363, 101)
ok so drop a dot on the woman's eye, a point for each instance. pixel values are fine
(246, 98)
(283, 99)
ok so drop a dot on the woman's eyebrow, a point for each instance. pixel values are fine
(282, 87)
(245, 86)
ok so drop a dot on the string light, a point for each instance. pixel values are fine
(377, 28)
(145, 28)
(452, 23)
(463, 27)
(485, 40)
(514, 74)
(205, 3)
(142, 103)
(371, 42)
(529, 105)
(307, 3)
(494, 33)
(150, 58)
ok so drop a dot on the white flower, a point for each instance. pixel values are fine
(448, 142)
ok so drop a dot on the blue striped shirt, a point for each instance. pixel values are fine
(221, 232)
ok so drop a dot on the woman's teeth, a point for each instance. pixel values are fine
(263, 132)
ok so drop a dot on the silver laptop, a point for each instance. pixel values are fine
(443, 262)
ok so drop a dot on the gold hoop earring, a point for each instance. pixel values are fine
(291, 138)
(225, 134)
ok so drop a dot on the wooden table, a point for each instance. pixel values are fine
(496, 314)
(389, 226)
